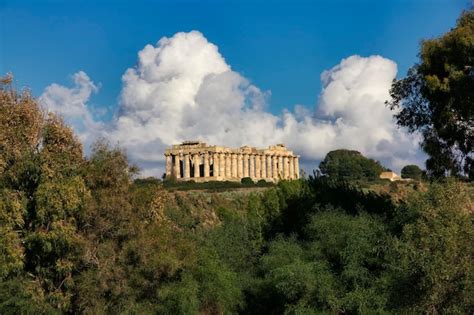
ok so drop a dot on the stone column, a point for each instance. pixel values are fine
(264, 165)
(240, 172)
(252, 166)
(206, 165)
(297, 167)
(257, 166)
(177, 173)
(228, 165)
(222, 165)
(286, 171)
(246, 165)
(168, 165)
(234, 165)
(187, 166)
(197, 161)
(275, 167)
(292, 168)
(269, 166)
(280, 167)
(215, 165)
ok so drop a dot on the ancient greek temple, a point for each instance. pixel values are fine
(195, 160)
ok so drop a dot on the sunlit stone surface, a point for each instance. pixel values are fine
(195, 160)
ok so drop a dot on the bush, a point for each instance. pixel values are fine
(262, 183)
(246, 181)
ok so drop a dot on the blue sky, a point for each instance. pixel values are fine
(251, 74)
(281, 46)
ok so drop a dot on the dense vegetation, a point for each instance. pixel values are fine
(78, 235)
(82, 235)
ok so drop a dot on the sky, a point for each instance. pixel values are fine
(146, 74)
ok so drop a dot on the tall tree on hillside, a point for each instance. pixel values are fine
(436, 98)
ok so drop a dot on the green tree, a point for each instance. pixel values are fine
(349, 165)
(42, 198)
(354, 248)
(437, 99)
(431, 267)
(411, 171)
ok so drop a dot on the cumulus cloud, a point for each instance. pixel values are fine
(183, 89)
(72, 105)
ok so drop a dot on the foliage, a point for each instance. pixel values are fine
(349, 165)
(436, 98)
(247, 181)
(411, 171)
(432, 266)
(81, 235)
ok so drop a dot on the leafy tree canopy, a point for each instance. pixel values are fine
(350, 165)
(411, 171)
(436, 98)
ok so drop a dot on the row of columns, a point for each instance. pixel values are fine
(233, 165)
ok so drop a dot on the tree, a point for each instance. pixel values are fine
(42, 198)
(411, 171)
(349, 165)
(432, 270)
(436, 98)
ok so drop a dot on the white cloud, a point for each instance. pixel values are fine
(183, 89)
(71, 104)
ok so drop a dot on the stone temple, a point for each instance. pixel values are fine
(195, 160)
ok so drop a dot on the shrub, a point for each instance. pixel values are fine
(246, 181)
(262, 183)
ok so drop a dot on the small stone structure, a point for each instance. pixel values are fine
(392, 176)
(195, 160)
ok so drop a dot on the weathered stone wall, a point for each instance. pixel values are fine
(194, 160)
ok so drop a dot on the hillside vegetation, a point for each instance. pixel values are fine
(79, 235)
(82, 235)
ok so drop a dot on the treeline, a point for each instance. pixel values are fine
(78, 235)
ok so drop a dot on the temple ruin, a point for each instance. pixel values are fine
(195, 160)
